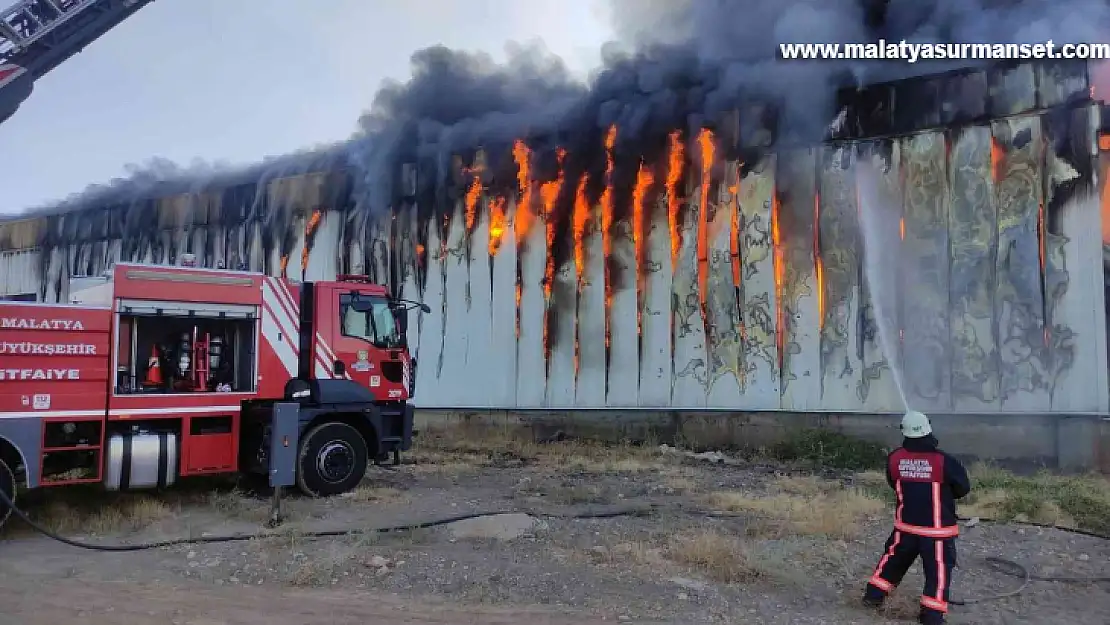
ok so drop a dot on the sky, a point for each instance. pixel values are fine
(237, 80)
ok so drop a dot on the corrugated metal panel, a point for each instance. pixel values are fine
(19, 272)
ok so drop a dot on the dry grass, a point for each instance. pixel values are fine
(1077, 501)
(680, 484)
(368, 493)
(461, 447)
(325, 566)
(722, 558)
(807, 506)
(128, 513)
(637, 552)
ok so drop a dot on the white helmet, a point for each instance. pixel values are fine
(916, 425)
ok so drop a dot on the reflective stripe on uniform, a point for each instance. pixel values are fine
(934, 604)
(942, 571)
(880, 583)
(928, 532)
(876, 577)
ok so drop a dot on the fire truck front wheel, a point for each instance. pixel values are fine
(7, 484)
(332, 460)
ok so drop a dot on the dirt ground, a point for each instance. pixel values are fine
(695, 541)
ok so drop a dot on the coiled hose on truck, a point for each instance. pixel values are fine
(999, 565)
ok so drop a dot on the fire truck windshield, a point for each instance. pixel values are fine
(374, 324)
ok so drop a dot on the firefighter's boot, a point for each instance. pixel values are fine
(873, 597)
(930, 617)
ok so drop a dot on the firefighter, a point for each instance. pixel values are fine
(927, 482)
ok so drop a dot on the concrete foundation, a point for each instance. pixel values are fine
(1071, 443)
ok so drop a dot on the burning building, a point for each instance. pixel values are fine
(715, 264)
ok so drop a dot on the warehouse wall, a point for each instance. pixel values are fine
(752, 297)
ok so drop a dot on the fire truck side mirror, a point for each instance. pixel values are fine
(401, 316)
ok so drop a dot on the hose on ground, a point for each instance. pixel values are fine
(999, 565)
(1013, 569)
(227, 538)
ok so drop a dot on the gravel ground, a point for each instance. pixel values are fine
(785, 563)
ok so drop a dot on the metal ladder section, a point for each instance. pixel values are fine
(38, 35)
(28, 21)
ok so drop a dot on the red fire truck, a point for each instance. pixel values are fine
(160, 372)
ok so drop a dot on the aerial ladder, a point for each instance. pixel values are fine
(38, 35)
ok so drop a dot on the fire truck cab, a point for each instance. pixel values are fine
(154, 373)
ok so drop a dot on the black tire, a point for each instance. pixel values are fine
(7, 484)
(332, 459)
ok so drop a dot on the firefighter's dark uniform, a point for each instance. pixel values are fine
(927, 483)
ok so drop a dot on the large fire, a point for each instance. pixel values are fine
(780, 279)
(607, 225)
(644, 180)
(473, 196)
(309, 232)
(522, 220)
(676, 159)
(549, 195)
(707, 154)
(496, 224)
(579, 218)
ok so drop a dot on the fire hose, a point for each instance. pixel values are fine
(997, 564)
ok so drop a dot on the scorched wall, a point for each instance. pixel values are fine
(729, 285)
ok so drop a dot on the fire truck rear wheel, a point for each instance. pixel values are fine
(7, 484)
(332, 460)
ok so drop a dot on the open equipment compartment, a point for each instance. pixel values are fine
(185, 347)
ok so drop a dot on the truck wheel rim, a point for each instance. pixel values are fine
(335, 462)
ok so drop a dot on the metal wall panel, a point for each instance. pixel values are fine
(744, 287)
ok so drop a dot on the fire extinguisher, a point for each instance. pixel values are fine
(184, 358)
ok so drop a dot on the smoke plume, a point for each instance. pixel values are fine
(675, 64)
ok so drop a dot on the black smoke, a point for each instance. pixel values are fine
(675, 64)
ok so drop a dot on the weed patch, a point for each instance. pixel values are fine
(805, 506)
(826, 448)
(493, 446)
(1081, 501)
(720, 557)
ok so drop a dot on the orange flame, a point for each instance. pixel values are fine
(998, 159)
(284, 264)
(496, 224)
(675, 160)
(902, 228)
(607, 224)
(473, 194)
(518, 293)
(309, 229)
(780, 280)
(549, 194)
(607, 195)
(580, 217)
(818, 263)
(419, 249)
(707, 148)
(734, 232)
(522, 221)
(644, 180)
